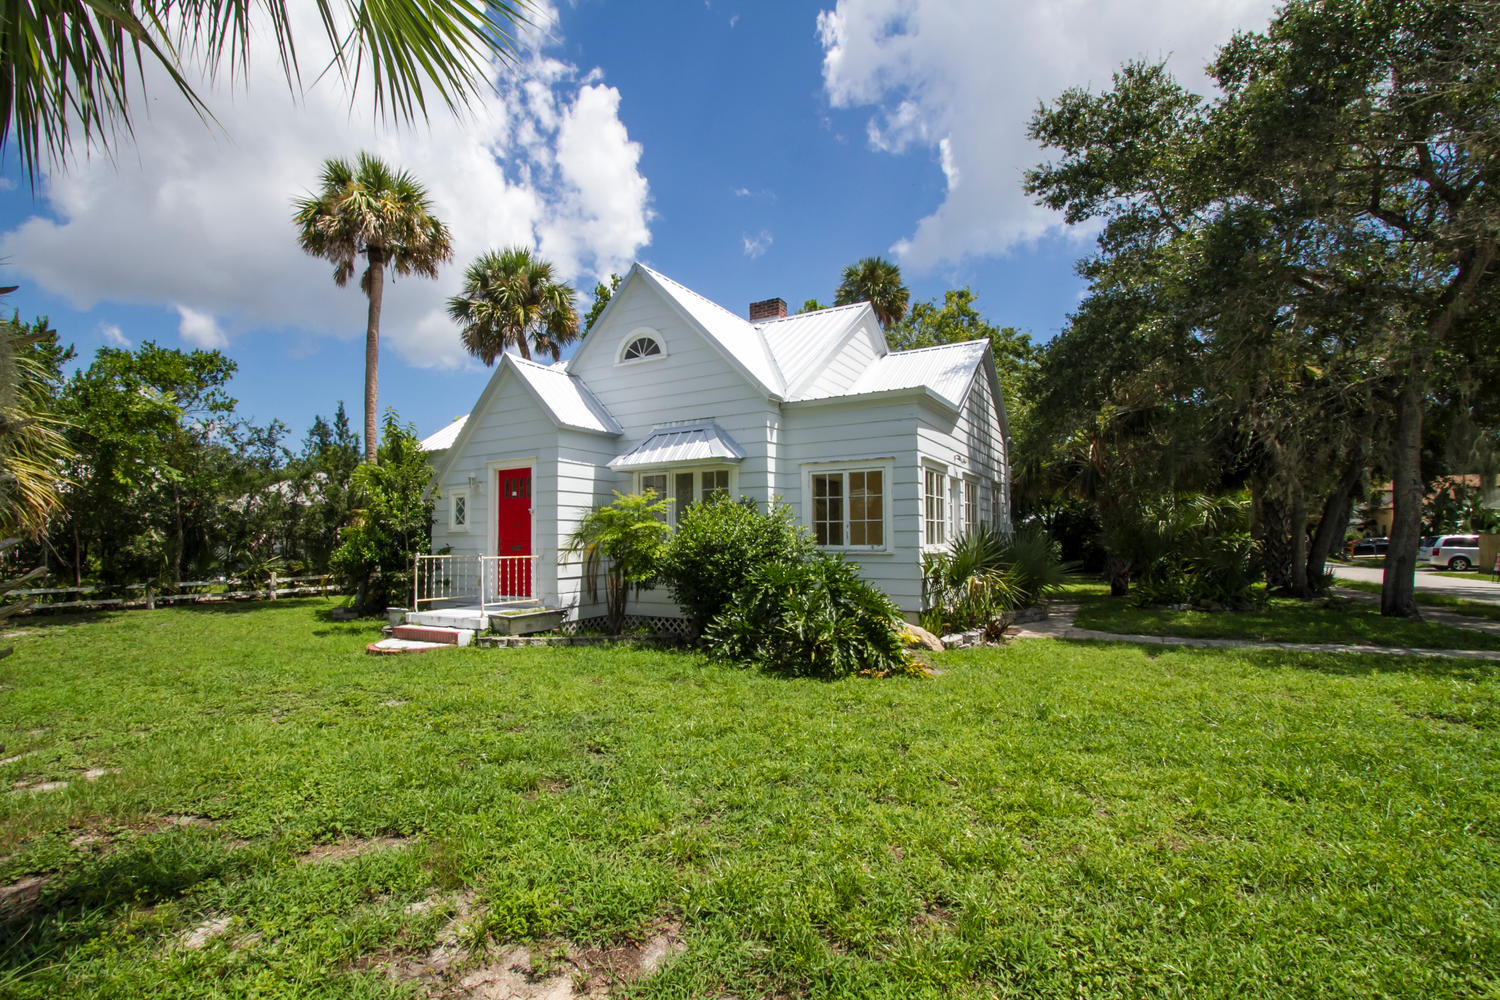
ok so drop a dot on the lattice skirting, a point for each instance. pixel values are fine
(653, 624)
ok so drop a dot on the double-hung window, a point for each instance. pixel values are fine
(934, 507)
(971, 505)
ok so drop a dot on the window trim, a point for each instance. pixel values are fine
(641, 333)
(935, 472)
(887, 469)
(454, 496)
(671, 472)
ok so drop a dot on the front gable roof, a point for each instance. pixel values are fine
(565, 400)
(803, 344)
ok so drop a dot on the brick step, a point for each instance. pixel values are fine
(427, 633)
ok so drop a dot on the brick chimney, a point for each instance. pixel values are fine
(767, 309)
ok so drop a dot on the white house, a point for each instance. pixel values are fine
(882, 454)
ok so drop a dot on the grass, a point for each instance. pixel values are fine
(1331, 620)
(1043, 820)
(1474, 609)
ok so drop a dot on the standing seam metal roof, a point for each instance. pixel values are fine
(680, 441)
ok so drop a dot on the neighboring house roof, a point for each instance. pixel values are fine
(443, 439)
(680, 442)
(945, 372)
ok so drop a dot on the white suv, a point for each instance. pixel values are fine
(1456, 552)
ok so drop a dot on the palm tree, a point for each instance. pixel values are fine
(33, 451)
(878, 282)
(366, 209)
(511, 299)
(73, 64)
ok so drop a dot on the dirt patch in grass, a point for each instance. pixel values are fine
(38, 786)
(205, 932)
(351, 848)
(451, 971)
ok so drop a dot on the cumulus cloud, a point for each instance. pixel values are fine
(199, 329)
(198, 218)
(960, 78)
(113, 335)
(756, 245)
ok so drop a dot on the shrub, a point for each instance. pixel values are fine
(393, 522)
(1193, 549)
(810, 617)
(716, 546)
(985, 574)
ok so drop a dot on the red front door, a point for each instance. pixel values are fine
(514, 513)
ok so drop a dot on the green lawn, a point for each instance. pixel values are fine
(1332, 620)
(1044, 820)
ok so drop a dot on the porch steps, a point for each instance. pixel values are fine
(388, 646)
(431, 633)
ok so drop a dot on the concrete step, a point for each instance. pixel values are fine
(389, 646)
(431, 633)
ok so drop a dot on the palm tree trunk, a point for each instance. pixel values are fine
(375, 289)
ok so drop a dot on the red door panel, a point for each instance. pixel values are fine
(513, 509)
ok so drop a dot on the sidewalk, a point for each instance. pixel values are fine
(1059, 625)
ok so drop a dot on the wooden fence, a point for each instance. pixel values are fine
(137, 595)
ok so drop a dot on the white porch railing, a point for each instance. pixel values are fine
(477, 581)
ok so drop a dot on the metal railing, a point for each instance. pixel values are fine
(484, 582)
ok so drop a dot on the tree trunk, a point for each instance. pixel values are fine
(375, 289)
(1297, 515)
(1398, 589)
(1118, 569)
(1334, 521)
(1272, 522)
(77, 557)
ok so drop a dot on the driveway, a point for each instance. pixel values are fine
(1483, 588)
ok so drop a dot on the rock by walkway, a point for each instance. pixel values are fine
(1059, 625)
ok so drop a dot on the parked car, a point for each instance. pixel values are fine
(1370, 546)
(1456, 552)
(1424, 549)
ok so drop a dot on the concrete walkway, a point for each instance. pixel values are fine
(1059, 625)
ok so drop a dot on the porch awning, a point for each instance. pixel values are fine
(682, 442)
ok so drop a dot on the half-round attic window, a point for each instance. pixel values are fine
(641, 347)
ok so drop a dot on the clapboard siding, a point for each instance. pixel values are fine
(815, 434)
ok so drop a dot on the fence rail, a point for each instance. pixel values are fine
(188, 591)
(482, 581)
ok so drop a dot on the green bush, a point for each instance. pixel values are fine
(985, 574)
(1193, 549)
(392, 523)
(812, 617)
(715, 547)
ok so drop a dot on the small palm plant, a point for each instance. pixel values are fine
(628, 538)
(985, 574)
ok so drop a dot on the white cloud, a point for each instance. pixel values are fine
(113, 335)
(198, 218)
(756, 245)
(962, 77)
(199, 329)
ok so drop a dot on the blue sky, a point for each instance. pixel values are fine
(748, 150)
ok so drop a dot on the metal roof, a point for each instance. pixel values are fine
(798, 343)
(945, 371)
(678, 443)
(443, 439)
(569, 400)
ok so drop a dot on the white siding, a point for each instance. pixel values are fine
(584, 482)
(512, 432)
(970, 445)
(839, 432)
